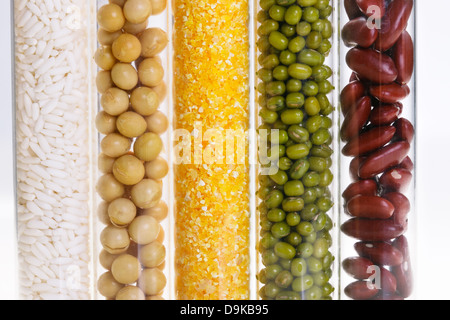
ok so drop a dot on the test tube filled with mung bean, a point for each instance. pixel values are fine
(133, 159)
(53, 143)
(211, 171)
(377, 131)
(295, 100)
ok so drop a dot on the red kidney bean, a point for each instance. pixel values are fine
(402, 207)
(403, 273)
(384, 114)
(403, 56)
(390, 93)
(381, 253)
(362, 187)
(368, 141)
(354, 167)
(388, 296)
(407, 164)
(404, 130)
(370, 207)
(372, 65)
(351, 94)
(393, 23)
(361, 290)
(396, 179)
(386, 157)
(372, 230)
(388, 282)
(358, 267)
(352, 9)
(365, 6)
(356, 118)
(357, 33)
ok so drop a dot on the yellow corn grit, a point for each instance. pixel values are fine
(211, 94)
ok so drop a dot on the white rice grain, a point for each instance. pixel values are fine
(52, 147)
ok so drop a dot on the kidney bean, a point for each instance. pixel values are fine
(361, 290)
(356, 118)
(393, 23)
(396, 179)
(365, 7)
(407, 164)
(367, 187)
(388, 282)
(372, 65)
(352, 9)
(386, 157)
(403, 56)
(357, 33)
(354, 167)
(403, 273)
(388, 296)
(370, 207)
(358, 267)
(351, 94)
(384, 114)
(402, 207)
(368, 141)
(404, 130)
(372, 230)
(390, 93)
(381, 253)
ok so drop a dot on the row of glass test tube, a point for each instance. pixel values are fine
(204, 150)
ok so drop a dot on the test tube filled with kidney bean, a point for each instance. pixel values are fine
(377, 131)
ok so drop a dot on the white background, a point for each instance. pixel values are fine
(433, 154)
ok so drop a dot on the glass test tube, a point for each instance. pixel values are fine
(297, 135)
(53, 143)
(133, 163)
(378, 149)
(211, 186)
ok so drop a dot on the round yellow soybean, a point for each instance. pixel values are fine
(124, 76)
(110, 17)
(151, 72)
(128, 170)
(153, 41)
(108, 188)
(148, 146)
(157, 169)
(105, 123)
(131, 124)
(121, 212)
(157, 123)
(104, 58)
(144, 230)
(108, 286)
(115, 145)
(126, 269)
(137, 11)
(144, 101)
(115, 101)
(115, 240)
(131, 293)
(152, 281)
(126, 48)
(104, 81)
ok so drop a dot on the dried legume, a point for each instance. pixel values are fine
(295, 239)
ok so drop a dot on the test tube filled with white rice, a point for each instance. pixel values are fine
(54, 147)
